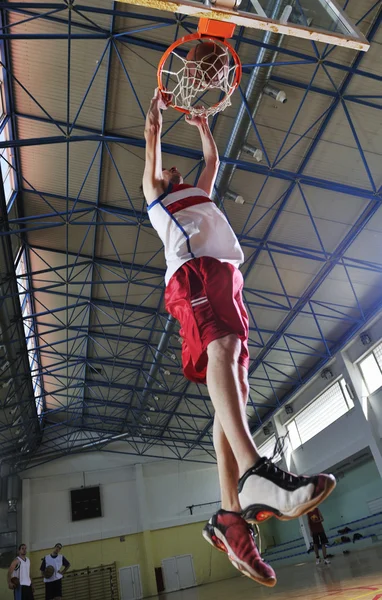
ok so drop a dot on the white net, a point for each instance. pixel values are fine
(196, 85)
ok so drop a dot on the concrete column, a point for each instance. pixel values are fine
(354, 379)
(26, 514)
(144, 526)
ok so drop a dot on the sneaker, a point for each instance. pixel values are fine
(230, 533)
(267, 491)
(318, 561)
(326, 561)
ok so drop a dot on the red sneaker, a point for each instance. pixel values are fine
(230, 533)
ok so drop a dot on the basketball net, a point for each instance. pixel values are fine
(192, 81)
(199, 87)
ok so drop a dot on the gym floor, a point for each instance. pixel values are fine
(353, 577)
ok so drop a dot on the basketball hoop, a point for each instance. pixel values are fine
(194, 92)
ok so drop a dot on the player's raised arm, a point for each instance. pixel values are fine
(210, 152)
(152, 177)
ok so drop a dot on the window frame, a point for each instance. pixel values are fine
(341, 382)
(363, 359)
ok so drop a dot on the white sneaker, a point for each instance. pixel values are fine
(267, 491)
(326, 561)
(318, 561)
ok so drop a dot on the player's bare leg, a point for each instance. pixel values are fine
(264, 489)
(227, 465)
(227, 530)
(225, 392)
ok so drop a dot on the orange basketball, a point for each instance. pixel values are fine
(314, 518)
(207, 62)
(15, 581)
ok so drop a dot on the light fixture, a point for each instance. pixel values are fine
(289, 409)
(365, 338)
(4, 366)
(235, 197)
(275, 93)
(327, 374)
(256, 153)
(6, 383)
(298, 19)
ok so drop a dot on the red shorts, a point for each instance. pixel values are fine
(205, 296)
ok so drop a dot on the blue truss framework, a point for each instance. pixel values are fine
(107, 372)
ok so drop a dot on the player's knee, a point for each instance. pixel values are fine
(225, 349)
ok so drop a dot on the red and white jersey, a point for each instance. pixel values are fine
(190, 226)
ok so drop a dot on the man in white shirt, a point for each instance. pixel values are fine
(204, 293)
(20, 570)
(59, 565)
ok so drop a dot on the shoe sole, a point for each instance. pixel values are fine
(252, 513)
(235, 561)
(208, 538)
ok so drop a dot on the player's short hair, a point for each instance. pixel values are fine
(21, 545)
(58, 544)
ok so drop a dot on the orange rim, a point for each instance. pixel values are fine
(189, 38)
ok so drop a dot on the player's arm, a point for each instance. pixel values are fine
(66, 565)
(43, 567)
(10, 572)
(210, 153)
(320, 515)
(152, 177)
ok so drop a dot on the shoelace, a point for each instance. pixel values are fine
(279, 450)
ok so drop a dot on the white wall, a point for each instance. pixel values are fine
(169, 487)
(375, 401)
(138, 494)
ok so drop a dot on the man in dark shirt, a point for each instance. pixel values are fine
(318, 534)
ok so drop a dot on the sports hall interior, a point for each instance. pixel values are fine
(94, 407)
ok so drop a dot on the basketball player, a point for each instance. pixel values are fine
(204, 293)
(53, 584)
(315, 520)
(20, 568)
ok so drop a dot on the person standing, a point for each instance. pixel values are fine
(318, 534)
(20, 569)
(58, 565)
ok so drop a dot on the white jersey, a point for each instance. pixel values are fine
(190, 226)
(22, 571)
(56, 563)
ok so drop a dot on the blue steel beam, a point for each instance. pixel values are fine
(194, 154)
(367, 214)
(306, 250)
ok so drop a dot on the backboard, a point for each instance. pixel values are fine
(317, 20)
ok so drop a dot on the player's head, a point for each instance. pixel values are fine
(57, 549)
(22, 549)
(172, 176)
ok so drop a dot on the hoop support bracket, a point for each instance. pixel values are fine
(218, 29)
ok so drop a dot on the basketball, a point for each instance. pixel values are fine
(48, 572)
(15, 581)
(208, 63)
(314, 518)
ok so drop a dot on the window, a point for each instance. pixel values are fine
(322, 412)
(371, 368)
(267, 449)
(29, 327)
